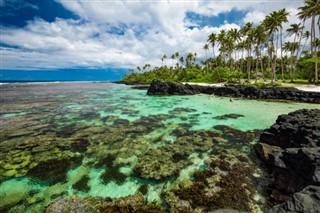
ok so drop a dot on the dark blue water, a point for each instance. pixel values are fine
(108, 74)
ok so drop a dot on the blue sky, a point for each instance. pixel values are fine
(109, 34)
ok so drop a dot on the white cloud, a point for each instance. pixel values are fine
(90, 41)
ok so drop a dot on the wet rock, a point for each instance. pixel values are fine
(170, 88)
(307, 200)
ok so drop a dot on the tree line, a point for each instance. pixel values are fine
(251, 52)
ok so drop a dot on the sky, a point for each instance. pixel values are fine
(41, 35)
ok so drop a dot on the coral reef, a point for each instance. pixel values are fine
(129, 204)
(226, 183)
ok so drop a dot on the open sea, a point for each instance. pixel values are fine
(81, 139)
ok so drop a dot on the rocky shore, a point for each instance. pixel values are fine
(172, 88)
(291, 149)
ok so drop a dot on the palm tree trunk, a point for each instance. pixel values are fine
(313, 38)
(249, 64)
(282, 75)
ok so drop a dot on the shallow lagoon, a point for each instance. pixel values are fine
(103, 139)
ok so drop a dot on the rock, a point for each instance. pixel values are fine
(296, 168)
(170, 88)
(297, 129)
(291, 147)
(307, 200)
(266, 151)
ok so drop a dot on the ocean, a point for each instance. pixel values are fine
(99, 139)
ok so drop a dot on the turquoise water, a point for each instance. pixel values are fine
(100, 139)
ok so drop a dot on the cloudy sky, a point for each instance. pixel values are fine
(59, 34)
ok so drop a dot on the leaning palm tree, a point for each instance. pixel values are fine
(311, 9)
(247, 33)
(282, 17)
(270, 23)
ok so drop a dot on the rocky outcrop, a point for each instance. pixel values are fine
(291, 148)
(297, 129)
(171, 88)
(306, 200)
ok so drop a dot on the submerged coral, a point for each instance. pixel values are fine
(129, 204)
(225, 184)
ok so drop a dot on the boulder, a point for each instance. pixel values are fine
(170, 88)
(297, 129)
(307, 200)
(267, 152)
(296, 168)
(291, 147)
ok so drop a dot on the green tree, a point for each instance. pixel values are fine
(206, 48)
(311, 9)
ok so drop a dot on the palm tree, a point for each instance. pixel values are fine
(247, 32)
(306, 36)
(222, 41)
(260, 38)
(271, 25)
(311, 10)
(282, 17)
(235, 37)
(206, 48)
(164, 57)
(181, 59)
(173, 56)
(212, 40)
(291, 47)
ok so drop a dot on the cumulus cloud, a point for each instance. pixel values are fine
(120, 33)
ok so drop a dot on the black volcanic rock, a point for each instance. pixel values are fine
(297, 129)
(278, 93)
(307, 200)
(291, 148)
(170, 88)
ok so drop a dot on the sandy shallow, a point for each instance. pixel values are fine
(309, 88)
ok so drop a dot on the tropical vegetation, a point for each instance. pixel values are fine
(254, 52)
